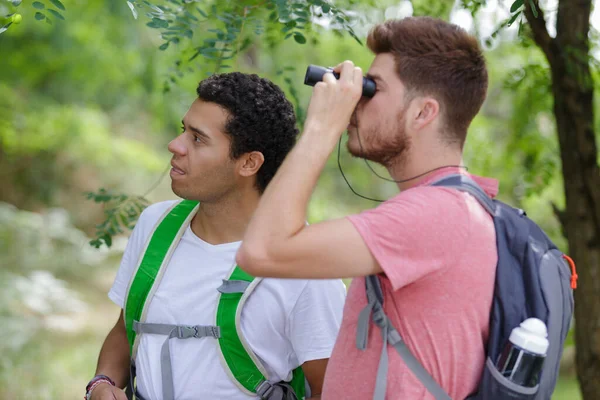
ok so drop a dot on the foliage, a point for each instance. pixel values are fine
(218, 31)
(48, 11)
(121, 213)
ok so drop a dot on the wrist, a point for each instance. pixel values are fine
(95, 382)
(319, 131)
(320, 141)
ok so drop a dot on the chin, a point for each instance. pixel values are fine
(354, 148)
(177, 190)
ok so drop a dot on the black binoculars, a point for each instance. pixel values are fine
(314, 74)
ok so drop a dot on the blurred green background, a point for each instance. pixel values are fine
(91, 102)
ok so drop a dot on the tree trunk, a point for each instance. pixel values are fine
(573, 91)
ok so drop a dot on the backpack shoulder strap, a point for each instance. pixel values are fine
(151, 265)
(239, 360)
(466, 184)
(392, 336)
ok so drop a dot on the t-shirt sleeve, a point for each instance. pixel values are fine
(133, 250)
(417, 233)
(315, 320)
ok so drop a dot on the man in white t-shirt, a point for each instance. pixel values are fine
(234, 137)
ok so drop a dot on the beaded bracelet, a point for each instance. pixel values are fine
(98, 379)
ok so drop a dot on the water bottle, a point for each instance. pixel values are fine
(523, 356)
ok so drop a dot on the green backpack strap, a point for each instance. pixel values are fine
(240, 361)
(159, 249)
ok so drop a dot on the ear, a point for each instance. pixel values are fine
(426, 111)
(250, 163)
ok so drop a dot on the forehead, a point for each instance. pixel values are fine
(209, 117)
(384, 66)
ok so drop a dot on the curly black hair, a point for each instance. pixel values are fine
(261, 118)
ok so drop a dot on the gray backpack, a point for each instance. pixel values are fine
(533, 279)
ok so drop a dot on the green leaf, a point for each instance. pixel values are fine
(196, 54)
(533, 8)
(190, 16)
(5, 27)
(202, 12)
(326, 8)
(38, 5)
(158, 23)
(56, 14)
(298, 37)
(107, 239)
(132, 8)
(514, 18)
(351, 32)
(39, 16)
(58, 4)
(164, 46)
(516, 5)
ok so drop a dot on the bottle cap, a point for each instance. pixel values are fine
(531, 335)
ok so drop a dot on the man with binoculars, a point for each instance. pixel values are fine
(432, 248)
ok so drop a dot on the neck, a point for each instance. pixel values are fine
(225, 220)
(415, 167)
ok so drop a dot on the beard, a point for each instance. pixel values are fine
(384, 143)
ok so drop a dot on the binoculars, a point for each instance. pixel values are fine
(314, 74)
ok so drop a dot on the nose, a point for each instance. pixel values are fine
(177, 147)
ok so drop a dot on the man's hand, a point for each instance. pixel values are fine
(106, 391)
(333, 101)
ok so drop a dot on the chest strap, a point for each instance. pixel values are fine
(178, 332)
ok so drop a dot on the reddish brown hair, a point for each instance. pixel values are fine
(439, 59)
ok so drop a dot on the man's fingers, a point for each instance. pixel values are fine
(345, 71)
(329, 78)
(358, 76)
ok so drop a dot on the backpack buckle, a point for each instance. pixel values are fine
(264, 390)
(186, 332)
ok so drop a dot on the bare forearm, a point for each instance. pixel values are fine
(114, 356)
(277, 238)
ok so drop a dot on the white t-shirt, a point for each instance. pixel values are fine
(285, 321)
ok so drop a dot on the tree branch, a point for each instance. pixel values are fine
(538, 27)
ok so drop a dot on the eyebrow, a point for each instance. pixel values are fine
(375, 77)
(196, 130)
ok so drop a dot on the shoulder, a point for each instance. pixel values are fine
(152, 214)
(413, 207)
(428, 197)
(147, 222)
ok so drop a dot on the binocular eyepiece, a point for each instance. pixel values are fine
(314, 74)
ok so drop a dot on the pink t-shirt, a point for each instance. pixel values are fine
(437, 248)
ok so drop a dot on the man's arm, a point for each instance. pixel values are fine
(314, 371)
(113, 362)
(114, 355)
(277, 242)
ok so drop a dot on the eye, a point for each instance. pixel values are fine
(197, 139)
